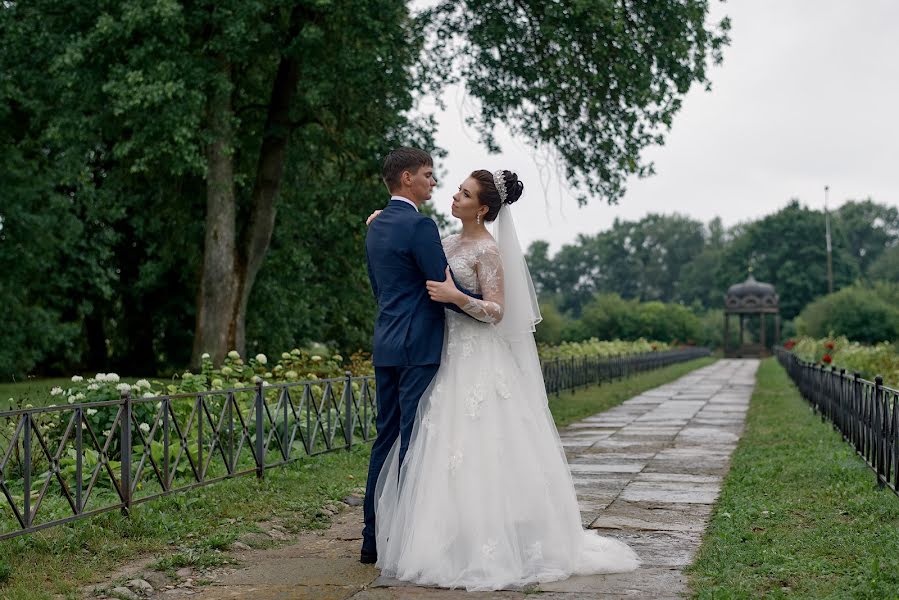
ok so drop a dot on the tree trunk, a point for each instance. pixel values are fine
(218, 296)
(97, 357)
(269, 172)
(229, 269)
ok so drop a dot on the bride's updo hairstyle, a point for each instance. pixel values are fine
(488, 195)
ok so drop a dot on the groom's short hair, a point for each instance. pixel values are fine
(403, 159)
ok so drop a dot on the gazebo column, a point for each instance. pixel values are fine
(741, 316)
(777, 328)
(726, 331)
(762, 333)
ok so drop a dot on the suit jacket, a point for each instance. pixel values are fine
(403, 251)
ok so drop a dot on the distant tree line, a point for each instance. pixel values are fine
(665, 276)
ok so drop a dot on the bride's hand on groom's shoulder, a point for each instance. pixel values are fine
(372, 217)
(445, 291)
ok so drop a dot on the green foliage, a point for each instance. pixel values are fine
(608, 316)
(787, 250)
(595, 347)
(549, 330)
(869, 230)
(886, 266)
(869, 361)
(799, 514)
(105, 133)
(863, 314)
(711, 329)
(596, 82)
(110, 114)
(640, 260)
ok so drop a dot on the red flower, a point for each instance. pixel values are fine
(789, 344)
(829, 345)
(827, 358)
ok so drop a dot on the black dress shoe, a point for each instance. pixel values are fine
(368, 558)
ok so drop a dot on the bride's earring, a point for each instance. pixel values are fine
(478, 218)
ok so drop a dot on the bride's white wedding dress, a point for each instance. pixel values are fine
(485, 499)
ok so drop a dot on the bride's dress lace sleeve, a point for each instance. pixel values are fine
(489, 268)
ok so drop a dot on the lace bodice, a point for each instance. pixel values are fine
(478, 266)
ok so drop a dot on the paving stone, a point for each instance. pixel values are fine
(651, 516)
(644, 583)
(678, 477)
(426, 593)
(634, 467)
(669, 496)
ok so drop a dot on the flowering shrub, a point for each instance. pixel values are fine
(296, 365)
(595, 347)
(880, 359)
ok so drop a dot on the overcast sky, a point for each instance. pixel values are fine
(807, 96)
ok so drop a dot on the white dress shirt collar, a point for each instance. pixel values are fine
(406, 200)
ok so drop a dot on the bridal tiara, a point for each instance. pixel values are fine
(499, 180)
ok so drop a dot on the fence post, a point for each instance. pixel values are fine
(260, 447)
(348, 409)
(839, 421)
(854, 404)
(879, 454)
(199, 408)
(79, 451)
(26, 441)
(125, 451)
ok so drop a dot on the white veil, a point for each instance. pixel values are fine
(521, 311)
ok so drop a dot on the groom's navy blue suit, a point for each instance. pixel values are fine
(404, 251)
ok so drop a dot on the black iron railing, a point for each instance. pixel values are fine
(865, 412)
(570, 374)
(57, 466)
(62, 463)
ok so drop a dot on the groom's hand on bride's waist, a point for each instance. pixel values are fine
(446, 291)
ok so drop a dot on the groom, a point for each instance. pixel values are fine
(404, 251)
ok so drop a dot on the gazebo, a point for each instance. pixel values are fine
(745, 300)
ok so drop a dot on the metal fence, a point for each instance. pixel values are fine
(865, 412)
(66, 462)
(570, 374)
(62, 463)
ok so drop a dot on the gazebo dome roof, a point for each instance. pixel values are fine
(751, 296)
(751, 287)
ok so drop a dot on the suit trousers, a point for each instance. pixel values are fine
(399, 391)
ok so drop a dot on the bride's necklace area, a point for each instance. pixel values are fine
(475, 236)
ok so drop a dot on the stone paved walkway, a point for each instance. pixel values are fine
(647, 472)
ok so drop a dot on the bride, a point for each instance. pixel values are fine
(484, 498)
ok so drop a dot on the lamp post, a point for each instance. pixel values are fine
(829, 249)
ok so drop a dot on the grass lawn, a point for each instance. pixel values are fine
(189, 529)
(799, 514)
(568, 407)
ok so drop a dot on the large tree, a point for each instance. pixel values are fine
(868, 228)
(196, 108)
(641, 260)
(592, 82)
(788, 249)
